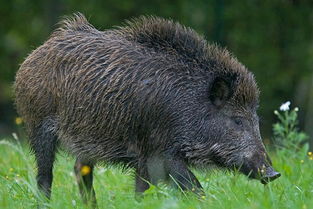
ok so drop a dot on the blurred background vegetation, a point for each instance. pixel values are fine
(273, 38)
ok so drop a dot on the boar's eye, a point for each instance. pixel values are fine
(238, 121)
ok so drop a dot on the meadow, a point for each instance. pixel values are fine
(115, 187)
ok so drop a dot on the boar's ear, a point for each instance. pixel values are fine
(222, 89)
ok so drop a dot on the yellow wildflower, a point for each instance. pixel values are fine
(310, 153)
(85, 170)
(18, 120)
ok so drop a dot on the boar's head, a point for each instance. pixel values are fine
(226, 128)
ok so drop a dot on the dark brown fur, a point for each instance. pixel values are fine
(139, 95)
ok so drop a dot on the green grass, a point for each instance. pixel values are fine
(115, 188)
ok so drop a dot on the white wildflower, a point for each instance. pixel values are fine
(296, 109)
(285, 106)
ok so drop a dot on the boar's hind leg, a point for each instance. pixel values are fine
(43, 141)
(84, 177)
(182, 176)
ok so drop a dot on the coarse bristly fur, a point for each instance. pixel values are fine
(152, 94)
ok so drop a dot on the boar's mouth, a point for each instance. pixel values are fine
(270, 175)
(259, 166)
(264, 173)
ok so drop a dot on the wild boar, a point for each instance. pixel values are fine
(152, 95)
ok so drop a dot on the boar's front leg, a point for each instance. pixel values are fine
(84, 177)
(142, 179)
(182, 176)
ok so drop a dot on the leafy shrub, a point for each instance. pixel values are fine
(290, 141)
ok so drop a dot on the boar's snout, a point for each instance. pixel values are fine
(269, 175)
(259, 166)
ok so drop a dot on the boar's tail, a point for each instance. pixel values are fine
(76, 22)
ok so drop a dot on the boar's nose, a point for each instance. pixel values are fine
(269, 175)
